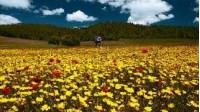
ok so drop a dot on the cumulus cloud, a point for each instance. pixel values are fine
(104, 8)
(141, 11)
(79, 16)
(196, 19)
(196, 9)
(57, 11)
(21, 4)
(7, 19)
(147, 11)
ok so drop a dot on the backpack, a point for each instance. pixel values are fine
(99, 39)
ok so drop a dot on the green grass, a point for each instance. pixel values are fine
(161, 41)
(143, 42)
(6, 42)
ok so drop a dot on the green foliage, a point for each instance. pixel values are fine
(54, 41)
(71, 42)
(109, 31)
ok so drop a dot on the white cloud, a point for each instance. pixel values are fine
(196, 9)
(21, 4)
(7, 19)
(141, 11)
(36, 11)
(104, 8)
(79, 16)
(196, 19)
(57, 11)
(147, 11)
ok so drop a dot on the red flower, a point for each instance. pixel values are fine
(58, 61)
(34, 86)
(144, 51)
(26, 68)
(56, 73)
(6, 90)
(115, 62)
(105, 89)
(18, 70)
(37, 79)
(74, 62)
(51, 60)
(160, 83)
(139, 69)
(102, 111)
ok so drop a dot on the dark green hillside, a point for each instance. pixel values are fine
(113, 31)
(109, 31)
(33, 31)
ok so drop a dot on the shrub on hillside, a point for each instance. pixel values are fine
(71, 42)
(54, 41)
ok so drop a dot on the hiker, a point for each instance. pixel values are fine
(98, 41)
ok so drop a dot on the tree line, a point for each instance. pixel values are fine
(109, 31)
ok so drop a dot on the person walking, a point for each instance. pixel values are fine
(98, 41)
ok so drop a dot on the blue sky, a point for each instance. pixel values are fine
(82, 13)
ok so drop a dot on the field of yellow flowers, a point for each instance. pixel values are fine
(121, 79)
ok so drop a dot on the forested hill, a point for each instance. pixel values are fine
(109, 31)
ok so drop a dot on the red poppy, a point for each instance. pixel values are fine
(58, 61)
(160, 83)
(144, 50)
(102, 111)
(115, 62)
(87, 77)
(37, 79)
(51, 60)
(56, 73)
(26, 68)
(34, 86)
(74, 62)
(18, 70)
(6, 90)
(139, 69)
(175, 66)
(105, 89)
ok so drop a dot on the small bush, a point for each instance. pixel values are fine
(54, 41)
(71, 42)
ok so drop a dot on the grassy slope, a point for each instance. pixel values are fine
(162, 41)
(6, 42)
(143, 42)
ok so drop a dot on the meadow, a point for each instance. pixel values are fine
(107, 79)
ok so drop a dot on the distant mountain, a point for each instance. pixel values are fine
(109, 31)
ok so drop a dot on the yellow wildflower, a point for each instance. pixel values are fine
(45, 107)
(113, 110)
(164, 110)
(14, 108)
(118, 86)
(171, 105)
(39, 99)
(178, 92)
(63, 97)
(61, 106)
(68, 93)
(130, 90)
(98, 107)
(147, 109)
